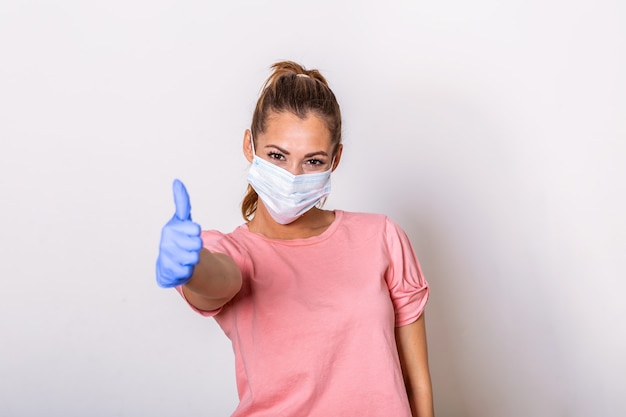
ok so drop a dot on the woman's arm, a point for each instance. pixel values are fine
(413, 353)
(216, 280)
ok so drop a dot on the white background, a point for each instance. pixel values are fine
(494, 132)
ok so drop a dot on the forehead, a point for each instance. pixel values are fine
(289, 130)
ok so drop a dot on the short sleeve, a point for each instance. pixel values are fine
(407, 286)
(218, 242)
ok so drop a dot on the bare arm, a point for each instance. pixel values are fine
(413, 352)
(216, 280)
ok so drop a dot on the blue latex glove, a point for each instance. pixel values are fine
(179, 250)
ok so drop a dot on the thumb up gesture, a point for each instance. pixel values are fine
(179, 250)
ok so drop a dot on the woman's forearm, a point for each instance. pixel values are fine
(216, 279)
(413, 355)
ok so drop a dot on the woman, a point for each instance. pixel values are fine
(324, 309)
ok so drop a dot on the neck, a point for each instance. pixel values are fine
(312, 223)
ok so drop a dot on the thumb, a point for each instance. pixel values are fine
(181, 200)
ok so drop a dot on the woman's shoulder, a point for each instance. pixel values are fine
(357, 216)
(378, 222)
(364, 220)
(217, 239)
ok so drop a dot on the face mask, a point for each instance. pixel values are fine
(287, 196)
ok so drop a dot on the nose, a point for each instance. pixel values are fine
(295, 169)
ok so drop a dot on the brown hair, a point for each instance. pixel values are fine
(292, 88)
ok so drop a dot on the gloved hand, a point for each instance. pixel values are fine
(179, 250)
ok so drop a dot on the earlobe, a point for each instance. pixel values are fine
(247, 145)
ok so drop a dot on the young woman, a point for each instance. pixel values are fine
(324, 309)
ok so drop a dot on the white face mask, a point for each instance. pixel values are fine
(285, 195)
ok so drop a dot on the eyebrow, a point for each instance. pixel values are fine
(322, 153)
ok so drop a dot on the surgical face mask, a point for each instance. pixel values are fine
(285, 195)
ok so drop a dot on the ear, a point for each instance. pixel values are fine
(247, 145)
(338, 156)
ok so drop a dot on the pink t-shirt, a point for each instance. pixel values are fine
(312, 328)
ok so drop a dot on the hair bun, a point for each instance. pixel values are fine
(292, 69)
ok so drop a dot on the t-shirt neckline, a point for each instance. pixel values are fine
(299, 241)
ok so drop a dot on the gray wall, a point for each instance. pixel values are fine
(493, 132)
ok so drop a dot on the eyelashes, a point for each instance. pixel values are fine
(313, 162)
(276, 156)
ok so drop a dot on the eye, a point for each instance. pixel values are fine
(277, 156)
(315, 162)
